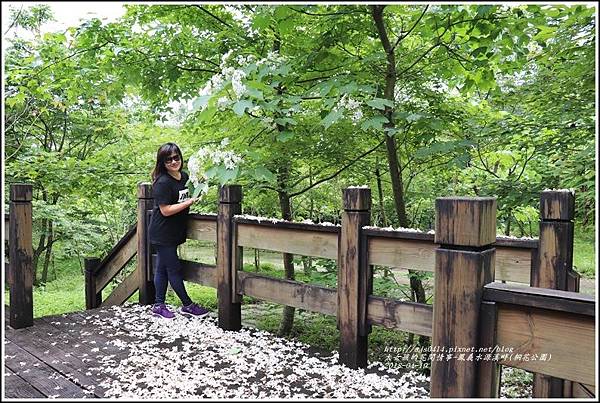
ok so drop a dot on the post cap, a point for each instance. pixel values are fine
(357, 199)
(557, 205)
(230, 194)
(465, 221)
(22, 192)
(144, 190)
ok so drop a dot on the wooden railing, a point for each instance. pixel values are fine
(464, 254)
(99, 273)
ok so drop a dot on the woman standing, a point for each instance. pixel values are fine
(168, 229)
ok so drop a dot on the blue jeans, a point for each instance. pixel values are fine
(168, 268)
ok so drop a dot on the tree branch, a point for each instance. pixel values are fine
(338, 171)
(401, 37)
(212, 15)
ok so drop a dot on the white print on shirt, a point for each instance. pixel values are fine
(183, 195)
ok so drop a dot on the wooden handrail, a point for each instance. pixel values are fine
(116, 259)
(543, 298)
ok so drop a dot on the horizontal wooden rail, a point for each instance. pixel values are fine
(123, 291)
(306, 242)
(400, 249)
(567, 339)
(555, 300)
(501, 241)
(199, 273)
(512, 263)
(116, 259)
(202, 227)
(537, 322)
(287, 292)
(398, 315)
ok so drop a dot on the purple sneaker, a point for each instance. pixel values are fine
(162, 311)
(194, 310)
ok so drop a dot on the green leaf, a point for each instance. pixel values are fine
(380, 103)
(285, 136)
(331, 118)
(240, 106)
(413, 117)
(200, 102)
(376, 123)
(285, 121)
(211, 172)
(207, 114)
(226, 175)
(262, 173)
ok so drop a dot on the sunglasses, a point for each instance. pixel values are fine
(175, 158)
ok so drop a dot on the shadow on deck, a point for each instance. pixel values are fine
(124, 352)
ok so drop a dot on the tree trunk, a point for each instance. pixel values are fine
(384, 222)
(37, 252)
(287, 321)
(390, 141)
(507, 224)
(48, 253)
(256, 259)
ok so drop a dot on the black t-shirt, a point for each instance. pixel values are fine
(171, 230)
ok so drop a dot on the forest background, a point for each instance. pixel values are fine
(416, 101)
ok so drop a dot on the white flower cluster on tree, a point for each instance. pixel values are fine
(233, 70)
(206, 158)
(352, 106)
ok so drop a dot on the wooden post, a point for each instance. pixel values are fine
(146, 282)
(21, 256)
(354, 278)
(230, 199)
(465, 228)
(93, 298)
(488, 371)
(554, 264)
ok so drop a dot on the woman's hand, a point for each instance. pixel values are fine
(192, 200)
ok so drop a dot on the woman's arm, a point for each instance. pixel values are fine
(170, 209)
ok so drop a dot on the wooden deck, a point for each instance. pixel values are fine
(120, 352)
(58, 357)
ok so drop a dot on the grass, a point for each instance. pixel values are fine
(584, 253)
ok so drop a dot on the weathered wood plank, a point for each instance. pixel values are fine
(144, 263)
(501, 241)
(36, 372)
(202, 229)
(555, 300)
(512, 264)
(405, 254)
(300, 242)
(354, 278)
(287, 292)
(531, 331)
(199, 273)
(21, 256)
(60, 357)
(230, 199)
(16, 387)
(126, 288)
(488, 371)
(583, 391)
(282, 224)
(93, 297)
(404, 316)
(115, 262)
